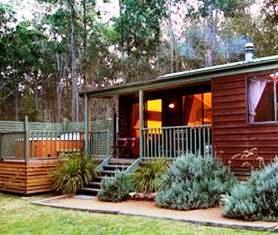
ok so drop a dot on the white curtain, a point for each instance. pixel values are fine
(255, 92)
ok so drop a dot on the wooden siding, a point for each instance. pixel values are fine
(231, 132)
(27, 178)
(13, 177)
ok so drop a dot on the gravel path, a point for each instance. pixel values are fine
(212, 217)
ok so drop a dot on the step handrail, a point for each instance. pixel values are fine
(134, 165)
(104, 162)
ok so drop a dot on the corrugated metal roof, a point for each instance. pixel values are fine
(189, 77)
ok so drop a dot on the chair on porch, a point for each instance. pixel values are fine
(124, 148)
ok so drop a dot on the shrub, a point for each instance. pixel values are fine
(194, 182)
(250, 158)
(75, 171)
(115, 189)
(255, 199)
(147, 177)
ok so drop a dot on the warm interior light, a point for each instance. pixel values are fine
(171, 105)
(274, 75)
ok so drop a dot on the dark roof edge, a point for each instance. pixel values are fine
(189, 77)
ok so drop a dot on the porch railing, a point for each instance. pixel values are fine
(171, 142)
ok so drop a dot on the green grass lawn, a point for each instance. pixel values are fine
(19, 216)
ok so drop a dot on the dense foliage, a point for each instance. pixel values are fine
(194, 182)
(115, 189)
(74, 172)
(255, 199)
(147, 178)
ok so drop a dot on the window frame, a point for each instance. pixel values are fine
(275, 98)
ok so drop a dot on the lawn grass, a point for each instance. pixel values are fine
(19, 216)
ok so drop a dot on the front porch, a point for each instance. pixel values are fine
(163, 123)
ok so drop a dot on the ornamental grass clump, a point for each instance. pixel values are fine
(255, 199)
(147, 178)
(75, 171)
(194, 182)
(115, 189)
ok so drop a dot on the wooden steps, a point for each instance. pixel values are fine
(108, 171)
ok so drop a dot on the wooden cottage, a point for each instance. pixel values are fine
(227, 110)
(223, 110)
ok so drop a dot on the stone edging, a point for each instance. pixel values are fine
(46, 202)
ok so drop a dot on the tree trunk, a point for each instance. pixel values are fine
(173, 45)
(124, 68)
(74, 97)
(84, 53)
(59, 85)
(211, 39)
(16, 104)
(59, 90)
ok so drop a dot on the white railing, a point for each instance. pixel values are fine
(172, 142)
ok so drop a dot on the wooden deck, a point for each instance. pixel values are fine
(31, 177)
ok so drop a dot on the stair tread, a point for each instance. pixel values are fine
(118, 166)
(91, 189)
(94, 182)
(108, 171)
(104, 177)
(121, 161)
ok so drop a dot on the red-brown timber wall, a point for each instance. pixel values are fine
(32, 177)
(231, 132)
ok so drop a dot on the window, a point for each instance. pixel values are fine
(154, 113)
(197, 109)
(262, 98)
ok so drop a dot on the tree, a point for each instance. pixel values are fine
(139, 27)
(210, 14)
(22, 67)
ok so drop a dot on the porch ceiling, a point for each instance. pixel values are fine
(174, 80)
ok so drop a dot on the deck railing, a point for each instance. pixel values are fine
(99, 143)
(30, 141)
(31, 145)
(171, 142)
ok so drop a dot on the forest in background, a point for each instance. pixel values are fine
(68, 46)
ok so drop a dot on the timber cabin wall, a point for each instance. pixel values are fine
(232, 133)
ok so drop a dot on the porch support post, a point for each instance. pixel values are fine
(141, 121)
(86, 125)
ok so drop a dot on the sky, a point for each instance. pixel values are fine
(25, 8)
(31, 9)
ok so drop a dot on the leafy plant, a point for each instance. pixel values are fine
(250, 158)
(147, 177)
(255, 199)
(115, 189)
(75, 171)
(194, 182)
